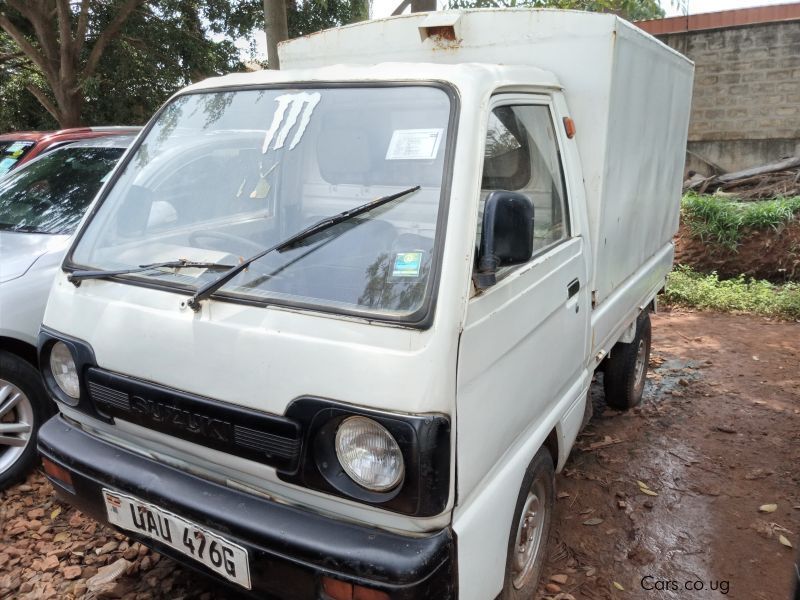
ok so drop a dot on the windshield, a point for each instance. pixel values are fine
(50, 194)
(11, 152)
(221, 176)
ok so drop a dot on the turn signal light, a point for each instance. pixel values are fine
(57, 472)
(342, 590)
(569, 127)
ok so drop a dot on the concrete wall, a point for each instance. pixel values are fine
(746, 105)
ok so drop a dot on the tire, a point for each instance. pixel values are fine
(24, 406)
(626, 369)
(536, 494)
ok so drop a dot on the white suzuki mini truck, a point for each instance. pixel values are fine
(328, 331)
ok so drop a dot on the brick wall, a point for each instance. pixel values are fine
(746, 104)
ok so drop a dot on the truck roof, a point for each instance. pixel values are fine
(461, 74)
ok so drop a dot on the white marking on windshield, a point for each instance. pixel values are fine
(304, 102)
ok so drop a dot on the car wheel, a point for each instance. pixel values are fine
(530, 529)
(626, 370)
(23, 408)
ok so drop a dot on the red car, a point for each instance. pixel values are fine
(21, 146)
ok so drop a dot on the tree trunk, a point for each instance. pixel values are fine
(423, 5)
(276, 29)
(70, 108)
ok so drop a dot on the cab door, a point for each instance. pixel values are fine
(522, 351)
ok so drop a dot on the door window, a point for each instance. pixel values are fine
(521, 155)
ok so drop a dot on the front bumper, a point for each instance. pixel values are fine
(290, 549)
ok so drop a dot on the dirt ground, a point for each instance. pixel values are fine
(716, 438)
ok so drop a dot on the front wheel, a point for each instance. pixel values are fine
(23, 408)
(626, 369)
(530, 529)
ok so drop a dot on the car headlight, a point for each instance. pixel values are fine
(62, 366)
(369, 454)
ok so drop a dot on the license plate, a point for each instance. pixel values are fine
(218, 554)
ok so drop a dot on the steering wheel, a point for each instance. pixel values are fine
(241, 242)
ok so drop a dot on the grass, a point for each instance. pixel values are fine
(723, 220)
(686, 287)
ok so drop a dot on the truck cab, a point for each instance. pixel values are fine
(328, 331)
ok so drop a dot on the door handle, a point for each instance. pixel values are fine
(573, 288)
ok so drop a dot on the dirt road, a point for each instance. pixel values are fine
(717, 437)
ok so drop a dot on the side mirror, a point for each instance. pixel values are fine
(506, 235)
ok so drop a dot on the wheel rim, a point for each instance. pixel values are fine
(641, 366)
(16, 424)
(528, 542)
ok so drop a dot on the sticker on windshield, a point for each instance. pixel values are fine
(407, 264)
(303, 102)
(18, 148)
(414, 144)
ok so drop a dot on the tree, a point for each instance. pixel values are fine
(286, 19)
(159, 47)
(633, 10)
(60, 33)
(277, 29)
(68, 43)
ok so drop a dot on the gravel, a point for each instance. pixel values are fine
(50, 550)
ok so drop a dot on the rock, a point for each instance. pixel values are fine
(36, 513)
(146, 564)
(76, 520)
(108, 547)
(89, 572)
(80, 589)
(24, 488)
(648, 504)
(72, 572)
(560, 579)
(26, 587)
(552, 588)
(50, 563)
(130, 553)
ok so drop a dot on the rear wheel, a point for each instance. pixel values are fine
(530, 529)
(23, 408)
(626, 369)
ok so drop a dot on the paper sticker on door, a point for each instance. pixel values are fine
(414, 144)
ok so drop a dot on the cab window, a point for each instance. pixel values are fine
(521, 155)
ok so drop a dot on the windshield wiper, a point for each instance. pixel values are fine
(321, 225)
(77, 276)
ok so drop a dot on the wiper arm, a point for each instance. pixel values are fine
(321, 225)
(77, 276)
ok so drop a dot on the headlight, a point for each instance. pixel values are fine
(369, 454)
(63, 368)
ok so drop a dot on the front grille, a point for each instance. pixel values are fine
(270, 439)
(109, 396)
